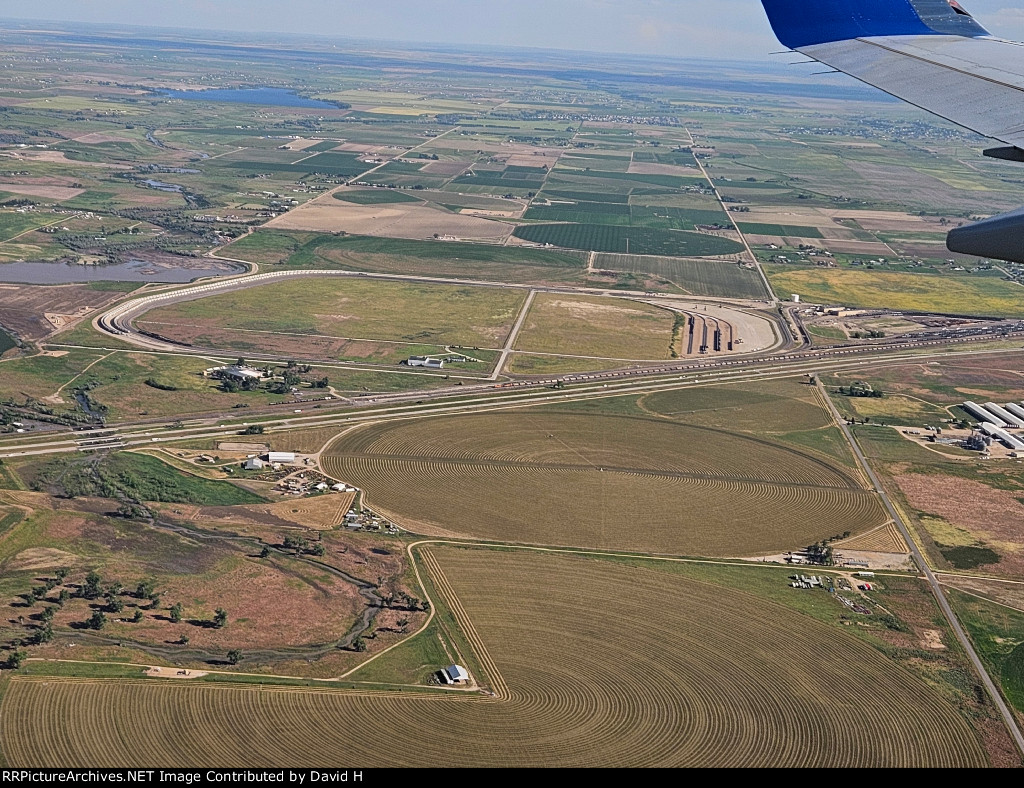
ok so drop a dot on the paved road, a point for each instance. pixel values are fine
(511, 340)
(958, 630)
(463, 399)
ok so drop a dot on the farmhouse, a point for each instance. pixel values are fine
(423, 361)
(235, 372)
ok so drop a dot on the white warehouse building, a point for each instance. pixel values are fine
(1005, 415)
(281, 456)
(983, 415)
(1002, 436)
(1015, 409)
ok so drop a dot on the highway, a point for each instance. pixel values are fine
(465, 399)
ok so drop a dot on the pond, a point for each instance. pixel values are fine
(131, 271)
(278, 97)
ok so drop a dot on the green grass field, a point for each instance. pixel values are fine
(360, 309)
(139, 476)
(600, 327)
(997, 632)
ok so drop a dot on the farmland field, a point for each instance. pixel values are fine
(431, 258)
(414, 313)
(598, 199)
(628, 240)
(798, 231)
(375, 197)
(567, 706)
(697, 277)
(639, 483)
(591, 326)
(924, 292)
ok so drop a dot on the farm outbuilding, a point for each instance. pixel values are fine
(983, 415)
(455, 674)
(1001, 435)
(253, 464)
(1005, 415)
(1016, 410)
(236, 372)
(423, 361)
(281, 456)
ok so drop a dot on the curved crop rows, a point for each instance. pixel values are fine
(650, 669)
(595, 441)
(603, 482)
(886, 539)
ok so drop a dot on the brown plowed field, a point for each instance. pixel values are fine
(601, 481)
(992, 516)
(23, 308)
(716, 678)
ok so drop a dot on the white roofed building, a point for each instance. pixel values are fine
(456, 674)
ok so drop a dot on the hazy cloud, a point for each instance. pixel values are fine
(662, 27)
(735, 29)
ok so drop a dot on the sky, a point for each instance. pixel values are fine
(728, 29)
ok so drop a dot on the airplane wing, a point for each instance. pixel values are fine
(934, 55)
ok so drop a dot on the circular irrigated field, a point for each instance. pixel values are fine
(601, 481)
(595, 663)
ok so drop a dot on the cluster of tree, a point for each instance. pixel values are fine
(303, 546)
(400, 600)
(860, 391)
(230, 385)
(12, 411)
(156, 384)
(868, 334)
(820, 553)
(93, 408)
(176, 613)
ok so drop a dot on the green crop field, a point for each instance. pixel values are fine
(924, 292)
(698, 277)
(629, 240)
(13, 223)
(780, 229)
(599, 327)
(392, 255)
(6, 342)
(639, 484)
(375, 197)
(703, 695)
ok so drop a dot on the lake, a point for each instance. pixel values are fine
(278, 97)
(132, 271)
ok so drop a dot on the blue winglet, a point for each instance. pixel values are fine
(800, 23)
